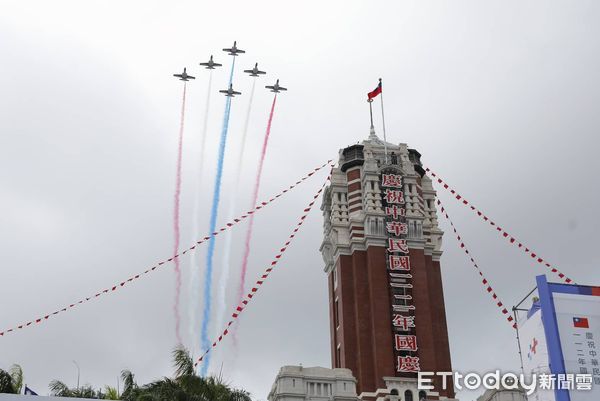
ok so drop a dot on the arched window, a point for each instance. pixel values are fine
(422, 395)
(394, 391)
(408, 395)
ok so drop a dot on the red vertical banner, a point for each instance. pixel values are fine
(398, 265)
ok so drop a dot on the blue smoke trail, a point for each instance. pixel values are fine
(224, 278)
(213, 225)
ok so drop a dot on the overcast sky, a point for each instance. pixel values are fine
(500, 97)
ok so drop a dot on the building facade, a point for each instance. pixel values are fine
(503, 395)
(24, 397)
(296, 383)
(382, 248)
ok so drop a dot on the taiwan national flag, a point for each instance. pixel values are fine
(581, 322)
(375, 92)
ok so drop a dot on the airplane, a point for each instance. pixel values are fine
(184, 76)
(210, 64)
(230, 92)
(233, 51)
(276, 88)
(255, 72)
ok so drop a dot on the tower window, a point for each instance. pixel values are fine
(408, 395)
(336, 313)
(335, 278)
(422, 395)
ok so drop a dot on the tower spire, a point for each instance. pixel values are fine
(372, 135)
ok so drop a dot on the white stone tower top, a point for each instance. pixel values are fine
(354, 219)
(297, 383)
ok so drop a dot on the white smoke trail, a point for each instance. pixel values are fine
(176, 216)
(194, 283)
(224, 278)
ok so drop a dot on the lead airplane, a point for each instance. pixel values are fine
(234, 51)
(255, 72)
(210, 64)
(184, 76)
(276, 88)
(229, 92)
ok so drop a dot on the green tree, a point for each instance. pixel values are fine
(111, 393)
(130, 387)
(11, 381)
(187, 386)
(60, 389)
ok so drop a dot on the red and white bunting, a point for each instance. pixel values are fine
(123, 283)
(500, 230)
(242, 306)
(484, 281)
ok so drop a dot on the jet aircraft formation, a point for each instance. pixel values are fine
(230, 92)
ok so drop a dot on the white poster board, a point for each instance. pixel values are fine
(578, 318)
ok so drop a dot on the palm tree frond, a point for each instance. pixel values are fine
(128, 379)
(110, 393)
(182, 360)
(240, 395)
(6, 383)
(130, 387)
(16, 373)
(60, 389)
(85, 391)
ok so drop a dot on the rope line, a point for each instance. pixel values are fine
(500, 230)
(123, 283)
(244, 303)
(484, 280)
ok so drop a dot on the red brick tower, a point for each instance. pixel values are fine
(382, 247)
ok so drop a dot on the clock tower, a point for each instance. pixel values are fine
(382, 249)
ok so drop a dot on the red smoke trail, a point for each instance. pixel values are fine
(176, 232)
(254, 199)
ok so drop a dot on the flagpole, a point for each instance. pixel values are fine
(371, 113)
(383, 120)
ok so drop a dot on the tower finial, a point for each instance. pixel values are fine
(372, 134)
